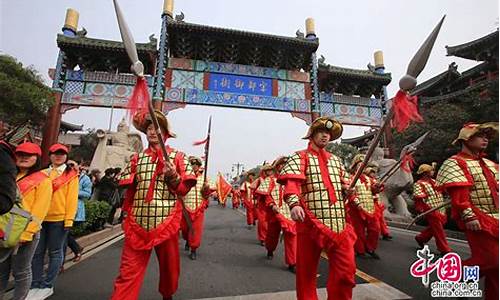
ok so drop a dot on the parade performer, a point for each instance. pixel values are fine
(314, 180)
(472, 183)
(261, 187)
(57, 222)
(153, 211)
(235, 197)
(364, 213)
(35, 188)
(248, 200)
(279, 219)
(426, 196)
(371, 172)
(196, 202)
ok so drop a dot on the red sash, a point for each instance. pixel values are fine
(28, 183)
(63, 179)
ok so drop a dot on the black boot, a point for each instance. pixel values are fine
(387, 238)
(420, 244)
(373, 254)
(186, 247)
(167, 298)
(291, 268)
(262, 243)
(270, 255)
(192, 255)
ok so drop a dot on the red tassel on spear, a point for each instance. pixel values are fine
(404, 107)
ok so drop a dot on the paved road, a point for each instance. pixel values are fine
(231, 263)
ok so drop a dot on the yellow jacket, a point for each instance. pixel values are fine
(37, 202)
(64, 200)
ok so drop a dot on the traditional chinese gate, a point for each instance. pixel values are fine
(201, 65)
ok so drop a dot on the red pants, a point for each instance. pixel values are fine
(367, 229)
(250, 215)
(272, 239)
(341, 266)
(133, 267)
(384, 230)
(262, 222)
(484, 253)
(436, 230)
(193, 238)
(236, 204)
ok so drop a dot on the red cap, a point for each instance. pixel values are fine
(58, 147)
(29, 148)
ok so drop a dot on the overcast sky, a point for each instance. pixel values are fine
(349, 33)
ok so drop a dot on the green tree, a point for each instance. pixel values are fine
(23, 94)
(345, 152)
(444, 120)
(88, 144)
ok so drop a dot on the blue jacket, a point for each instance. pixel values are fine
(84, 193)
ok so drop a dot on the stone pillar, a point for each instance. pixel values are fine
(52, 124)
(311, 35)
(380, 69)
(162, 59)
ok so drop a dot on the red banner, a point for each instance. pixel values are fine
(223, 188)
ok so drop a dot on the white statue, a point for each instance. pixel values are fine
(115, 149)
(393, 196)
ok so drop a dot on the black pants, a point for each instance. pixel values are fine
(111, 216)
(72, 243)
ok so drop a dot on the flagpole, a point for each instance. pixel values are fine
(207, 150)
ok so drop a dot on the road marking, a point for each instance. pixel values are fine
(359, 273)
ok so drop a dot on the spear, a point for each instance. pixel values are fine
(444, 204)
(407, 82)
(207, 149)
(410, 148)
(138, 69)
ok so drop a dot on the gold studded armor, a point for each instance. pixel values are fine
(194, 198)
(263, 185)
(277, 196)
(247, 191)
(365, 198)
(150, 214)
(313, 190)
(424, 190)
(451, 174)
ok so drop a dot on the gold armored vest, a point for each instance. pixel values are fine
(150, 214)
(450, 174)
(365, 196)
(193, 199)
(430, 196)
(264, 184)
(314, 191)
(283, 208)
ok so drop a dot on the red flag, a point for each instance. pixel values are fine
(405, 111)
(223, 188)
(408, 163)
(198, 143)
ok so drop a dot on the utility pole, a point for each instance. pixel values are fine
(238, 165)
